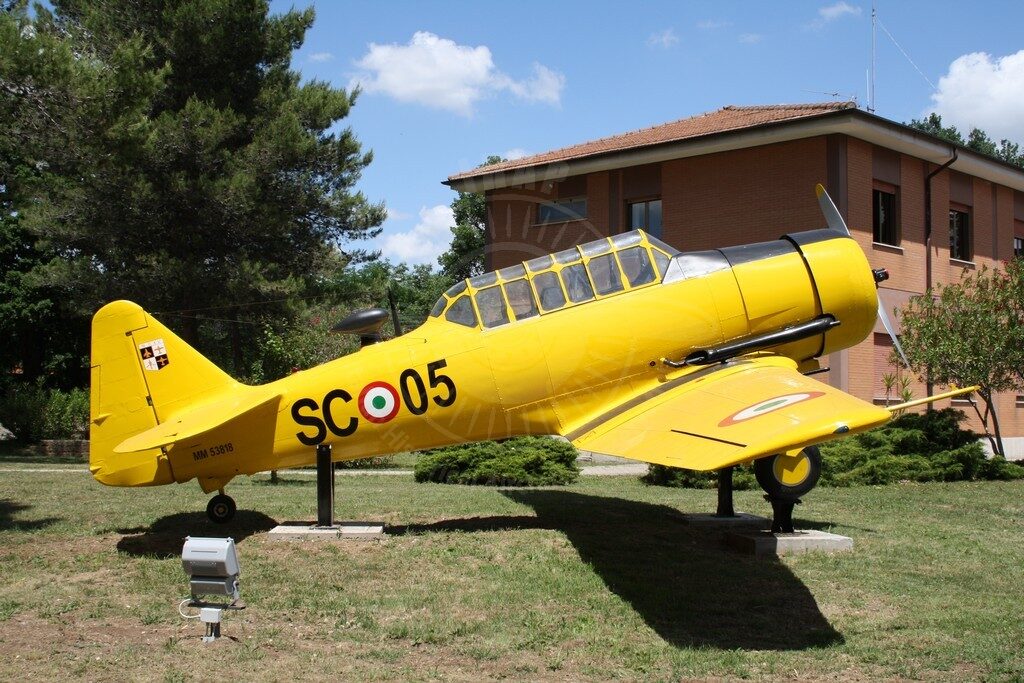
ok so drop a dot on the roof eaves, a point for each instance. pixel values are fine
(849, 121)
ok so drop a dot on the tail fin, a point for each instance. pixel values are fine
(142, 374)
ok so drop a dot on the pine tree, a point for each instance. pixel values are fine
(196, 174)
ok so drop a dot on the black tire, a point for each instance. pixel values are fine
(765, 471)
(221, 509)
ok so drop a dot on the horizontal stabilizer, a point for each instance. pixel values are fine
(199, 420)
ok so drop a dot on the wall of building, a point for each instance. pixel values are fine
(742, 196)
(992, 211)
(716, 200)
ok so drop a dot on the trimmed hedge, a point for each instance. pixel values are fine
(522, 461)
(914, 447)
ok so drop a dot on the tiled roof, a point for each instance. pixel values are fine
(725, 119)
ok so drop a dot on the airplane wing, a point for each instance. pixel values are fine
(728, 414)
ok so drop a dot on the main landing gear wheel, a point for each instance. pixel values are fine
(789, 476)
(785, 477)
(221, 509)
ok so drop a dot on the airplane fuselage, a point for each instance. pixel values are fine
(551, 373)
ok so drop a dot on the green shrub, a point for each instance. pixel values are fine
(929, 446)
(662, 475)
(66, 415)
(22, 407)
(381, 462)
(33, 413)
(522, 461)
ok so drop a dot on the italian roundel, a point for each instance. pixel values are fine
(768, 406)
(379, 402)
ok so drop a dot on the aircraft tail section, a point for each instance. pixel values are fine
(142, 375)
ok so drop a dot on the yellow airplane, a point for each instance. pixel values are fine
(623, 345)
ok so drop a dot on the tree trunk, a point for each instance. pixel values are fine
(995, 439)
(995, 424)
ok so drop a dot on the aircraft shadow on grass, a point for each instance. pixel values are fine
(164, 538)
(9, 509)
(680, 579)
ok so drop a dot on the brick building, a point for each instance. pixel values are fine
(747, 174)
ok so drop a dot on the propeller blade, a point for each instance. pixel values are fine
(832, 216)
(884, 317)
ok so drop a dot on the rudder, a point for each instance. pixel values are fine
(141, 375)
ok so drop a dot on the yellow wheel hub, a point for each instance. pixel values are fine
(791, 470)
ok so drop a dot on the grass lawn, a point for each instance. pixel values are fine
(594, 581)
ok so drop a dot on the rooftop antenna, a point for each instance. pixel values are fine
(871, 81)
(834, 95)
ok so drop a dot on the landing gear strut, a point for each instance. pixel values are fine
(785, 477)
(221, 508)
(725, 507)
(782, 513)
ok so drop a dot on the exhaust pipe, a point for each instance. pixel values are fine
(760, 342)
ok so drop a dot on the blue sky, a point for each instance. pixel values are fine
(446, 84)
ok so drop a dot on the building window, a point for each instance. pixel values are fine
(886, 218)
(562, 210)
(1018, 246)
(646, 216)
(960, 234)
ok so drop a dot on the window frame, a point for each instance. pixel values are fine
(877, 235)
(966, 211)
(564, 217)
(647, 212)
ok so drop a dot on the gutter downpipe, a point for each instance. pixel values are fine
(928, 239)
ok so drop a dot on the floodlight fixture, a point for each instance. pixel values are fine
(212, 568)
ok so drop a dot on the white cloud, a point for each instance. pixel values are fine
(427, 239)
(711, 24)
(396, 215)
(838, 11)
(321, 57)
(515, 153)
(663, 39)
(834, 12)
(545, 85)
(986, 92)
(750, 38)
(437, 72)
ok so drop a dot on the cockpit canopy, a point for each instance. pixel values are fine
(543, 285)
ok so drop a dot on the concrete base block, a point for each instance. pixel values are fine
(299, 531)
(739, 519)
(767, 543)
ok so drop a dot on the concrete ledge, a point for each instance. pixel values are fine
(299, 531)
(739, 519)
(766, 543)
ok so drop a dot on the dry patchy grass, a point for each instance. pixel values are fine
(595, 581)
